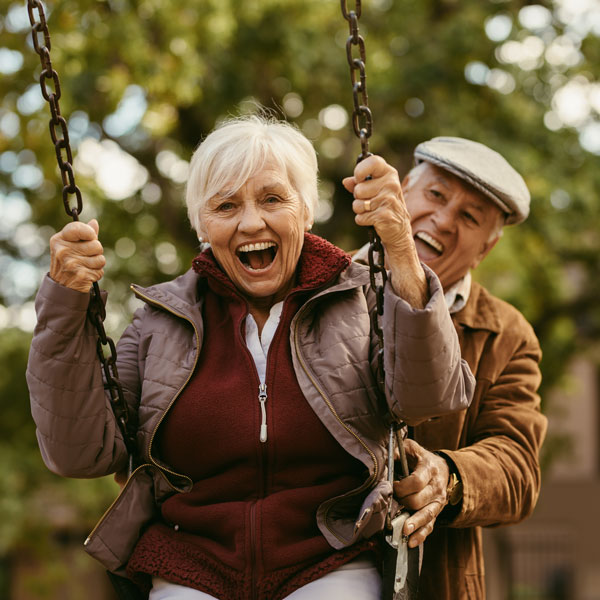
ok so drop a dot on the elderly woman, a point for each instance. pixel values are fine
(261, 438)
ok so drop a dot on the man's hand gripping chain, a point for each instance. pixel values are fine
(404, 567)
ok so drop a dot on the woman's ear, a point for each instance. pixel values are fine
(200, 231)
(308, 221)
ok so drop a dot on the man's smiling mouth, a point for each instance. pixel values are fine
(258, 256)
(430, 242)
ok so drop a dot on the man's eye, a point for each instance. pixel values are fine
(470, 218)
(435, 194)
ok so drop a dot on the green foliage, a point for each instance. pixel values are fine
(196, 62)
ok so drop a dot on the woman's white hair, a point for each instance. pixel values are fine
(238, 149)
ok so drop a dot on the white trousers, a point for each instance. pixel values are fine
(358, 579)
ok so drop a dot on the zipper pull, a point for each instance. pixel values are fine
(262, 398)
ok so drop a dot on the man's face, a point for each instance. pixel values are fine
(452, 222)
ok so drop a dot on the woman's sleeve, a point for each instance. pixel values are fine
(75, 425)
(425, 375)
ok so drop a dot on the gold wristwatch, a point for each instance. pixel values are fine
(454, 491)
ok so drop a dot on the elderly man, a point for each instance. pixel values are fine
(479, 467)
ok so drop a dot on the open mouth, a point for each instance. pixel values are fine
(257, 257)
(429, 245)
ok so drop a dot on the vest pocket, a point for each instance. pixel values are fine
(114, 537)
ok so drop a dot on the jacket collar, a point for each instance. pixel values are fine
(320, 263)
(479, 312)
(179, 295)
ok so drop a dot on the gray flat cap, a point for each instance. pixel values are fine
(483, 168)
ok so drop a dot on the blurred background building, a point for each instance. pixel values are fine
(555, 554)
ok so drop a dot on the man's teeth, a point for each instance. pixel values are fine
(258, 246)
(425, 237)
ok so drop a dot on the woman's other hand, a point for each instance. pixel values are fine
(378, 202)
(76, 256)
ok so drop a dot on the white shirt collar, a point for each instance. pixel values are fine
(456, 297)
(259, 345)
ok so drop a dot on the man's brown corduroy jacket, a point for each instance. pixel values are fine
(494, 444)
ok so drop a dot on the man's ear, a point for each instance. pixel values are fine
(485, 250)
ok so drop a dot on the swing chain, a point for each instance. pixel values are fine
(400, 570)
(362, 121)
(61, 143)
(60, 138)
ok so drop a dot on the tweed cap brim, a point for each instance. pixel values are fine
(483, 168)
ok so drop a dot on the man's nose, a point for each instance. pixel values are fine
(444, 218)
(251, 219)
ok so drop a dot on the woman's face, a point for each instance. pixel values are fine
(257, 233)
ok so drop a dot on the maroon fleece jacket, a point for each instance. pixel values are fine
(248, 529)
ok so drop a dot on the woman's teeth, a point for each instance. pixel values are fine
(258, 256)
(258, 246)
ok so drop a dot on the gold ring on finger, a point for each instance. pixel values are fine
(367, 206)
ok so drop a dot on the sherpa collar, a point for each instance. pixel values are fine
(320, 262)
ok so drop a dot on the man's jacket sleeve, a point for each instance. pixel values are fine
(499, 467)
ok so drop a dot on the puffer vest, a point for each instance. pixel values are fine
(247, 529)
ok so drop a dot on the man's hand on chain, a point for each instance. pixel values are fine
(423, 491)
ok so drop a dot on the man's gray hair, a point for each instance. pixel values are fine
(238, 149)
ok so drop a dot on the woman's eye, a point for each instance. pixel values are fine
(271, 200)
(225, 206)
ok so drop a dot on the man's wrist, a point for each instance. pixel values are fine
(454, 491)
(410, 284)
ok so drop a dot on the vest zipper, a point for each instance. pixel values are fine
(375, 474)
(160, 468)
(262, 398)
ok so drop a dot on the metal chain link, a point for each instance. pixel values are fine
(60, 138)
(362, 121)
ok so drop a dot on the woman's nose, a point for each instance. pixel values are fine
(251, 219)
